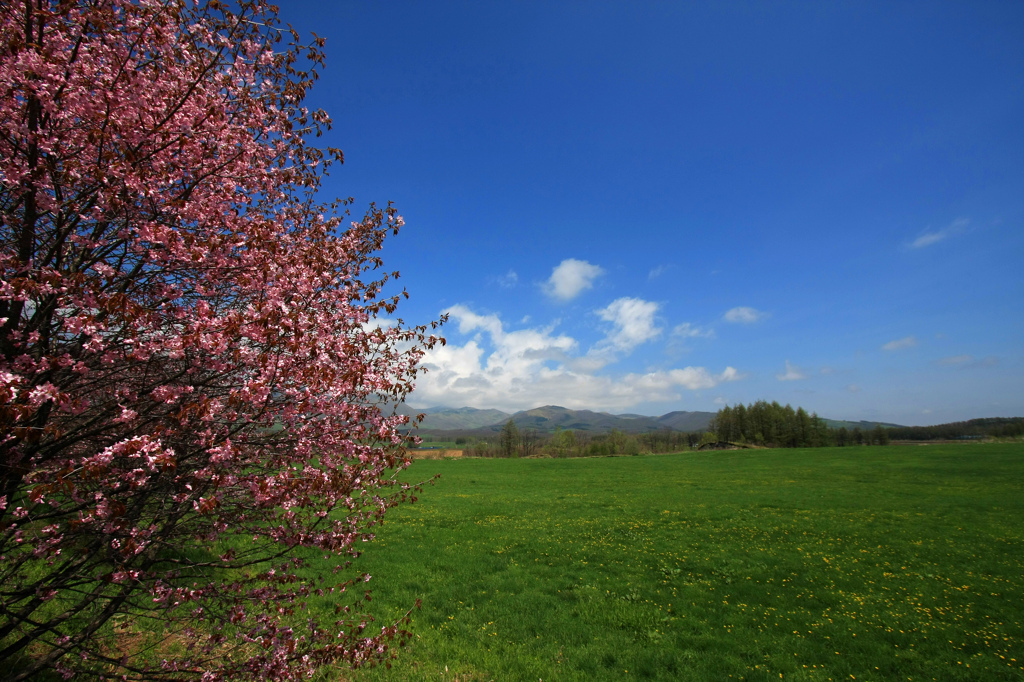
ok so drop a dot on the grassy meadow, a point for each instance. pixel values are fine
(885, 563)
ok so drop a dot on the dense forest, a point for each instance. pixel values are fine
(771, 424)
(996, 427)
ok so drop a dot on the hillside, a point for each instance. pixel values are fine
(469, 421)
(686, 421)
(455, 418)
(862, 425)
(550, 418)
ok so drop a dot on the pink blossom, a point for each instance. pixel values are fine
(204, 372)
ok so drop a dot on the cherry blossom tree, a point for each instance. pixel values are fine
(195, 355)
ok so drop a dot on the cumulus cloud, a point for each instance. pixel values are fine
(928, 238)
(632, 322)
(570, 278)
(900, 344)
(792, 373)
(470, 321)
(525, 368)
(744, 315)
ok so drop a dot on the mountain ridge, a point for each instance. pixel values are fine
(550, 418)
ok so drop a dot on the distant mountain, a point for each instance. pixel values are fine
(550, 418)
(455, 418)
(687, 421)
(862, 425)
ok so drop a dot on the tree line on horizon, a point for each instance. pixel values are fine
(513, 441)
(762, 423)
(992, 427)
(774, 425)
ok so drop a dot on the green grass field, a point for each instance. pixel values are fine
(897, 563)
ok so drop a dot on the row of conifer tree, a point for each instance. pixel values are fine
(771, 424)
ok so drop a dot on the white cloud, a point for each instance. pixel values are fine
(853, 388)
(928, 238)
(693, 378)
(683, 333)
(689, 331)
(731, 374)
(470, 321)
(792, 373)
(530, 367)
(956, 360)
(900, 344)
(570, 278)
(509, 280)
(968, 361)
(633, 322)
(658, 271)
(378, 323)
(744, 315)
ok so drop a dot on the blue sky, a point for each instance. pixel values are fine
(646, 207)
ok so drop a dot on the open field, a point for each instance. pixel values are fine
(897, 563)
